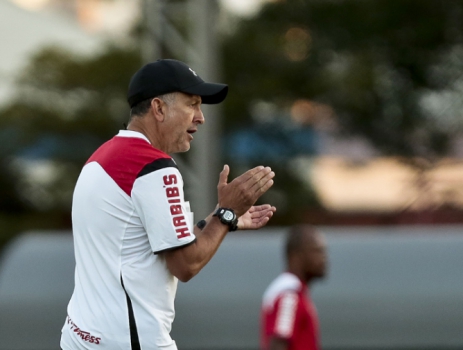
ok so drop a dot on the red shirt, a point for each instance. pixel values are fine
(289, 313)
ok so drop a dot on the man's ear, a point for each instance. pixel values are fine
(158, 108)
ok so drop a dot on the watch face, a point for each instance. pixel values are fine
(228, 215)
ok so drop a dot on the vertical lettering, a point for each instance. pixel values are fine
(182, 232)
(175, 209)
(170, 179)
(179, 221)
(172, 192)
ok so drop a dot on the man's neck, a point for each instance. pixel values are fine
(299, 275)
(141, 128)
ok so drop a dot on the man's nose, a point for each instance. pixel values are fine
(199, 117)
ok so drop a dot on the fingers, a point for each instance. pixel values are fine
(259, 175)
(241, 193)
(259, 211)
(258, 179)
(262, 220)
(263, 181)
(264, 217)
(265, 207)
(256, 217)
(253, 174)
(223, 177)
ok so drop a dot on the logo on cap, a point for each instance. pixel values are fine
(192, 71)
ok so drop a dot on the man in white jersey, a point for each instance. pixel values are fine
(134, 236)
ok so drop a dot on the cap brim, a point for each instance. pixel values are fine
(211, 93)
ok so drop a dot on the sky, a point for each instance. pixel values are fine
(23, 32)
(239, 7)
(242, 7)
(41, 27)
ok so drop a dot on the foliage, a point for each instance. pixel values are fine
(67, 96)
(65, 106)
(390, 70)
(375, 62)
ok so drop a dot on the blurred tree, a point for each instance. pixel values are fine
(64, 107)
(373, 61)
(390, 70)
(380, 65)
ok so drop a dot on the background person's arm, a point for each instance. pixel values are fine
(238, 195)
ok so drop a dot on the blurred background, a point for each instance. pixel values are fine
(355, 104)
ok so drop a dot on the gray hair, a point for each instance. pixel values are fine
(141, 108)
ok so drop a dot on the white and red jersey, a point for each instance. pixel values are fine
(128, 205)
(288, 313)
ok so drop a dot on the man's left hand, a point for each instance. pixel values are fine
(256, 217)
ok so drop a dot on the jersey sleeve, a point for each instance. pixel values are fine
(158, 200)
(285, 315)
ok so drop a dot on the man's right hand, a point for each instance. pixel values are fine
(240, 194)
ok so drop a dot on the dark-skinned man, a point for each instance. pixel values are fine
(289, 317)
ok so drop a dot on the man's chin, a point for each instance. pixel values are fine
(185, 149)
(316, 276)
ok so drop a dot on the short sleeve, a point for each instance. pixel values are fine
(286, 309)
(159, 201)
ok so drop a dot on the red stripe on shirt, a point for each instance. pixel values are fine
(124, 157)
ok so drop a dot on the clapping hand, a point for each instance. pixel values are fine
(241, 194)
(256, 217)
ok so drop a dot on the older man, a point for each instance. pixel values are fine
(133, 231)
(289, 317)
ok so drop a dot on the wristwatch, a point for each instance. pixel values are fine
(227, 217)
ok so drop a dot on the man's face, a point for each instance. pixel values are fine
(182, 119)
(315, 257)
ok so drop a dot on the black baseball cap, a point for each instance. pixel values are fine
(166, 76)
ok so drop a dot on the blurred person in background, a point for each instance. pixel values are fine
(134, 235)
(289, 317)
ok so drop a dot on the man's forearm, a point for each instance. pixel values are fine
(185, 262)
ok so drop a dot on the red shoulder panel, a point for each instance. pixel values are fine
(124, 157)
